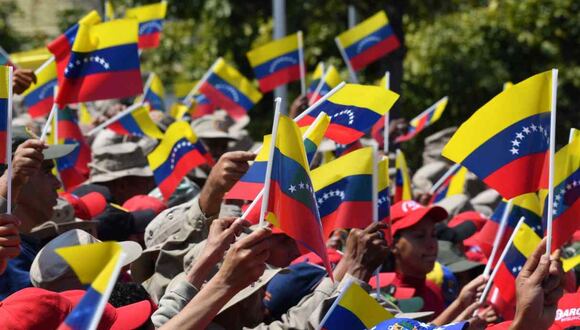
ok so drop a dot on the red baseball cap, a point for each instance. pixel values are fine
(35, 308)
(568, 312)
(386, 279)
(406, 214)
(477, 218)
(88, 206)
(144, 202)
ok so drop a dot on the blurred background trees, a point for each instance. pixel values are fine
(465, 49)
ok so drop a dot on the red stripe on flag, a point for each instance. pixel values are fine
(42, 108)
(520, 176)
(565, 225)
(118, 128)
(2, 147)
(340, 134)
(72, 178)
(375, 52)
(348, 215)
(234, 109)
(280, 77)
(100, 86)
(149, 40)
(185, 164)
(506, 283)
(244, 190)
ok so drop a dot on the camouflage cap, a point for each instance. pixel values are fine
(115, 161)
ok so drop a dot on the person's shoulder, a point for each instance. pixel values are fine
(167, 223)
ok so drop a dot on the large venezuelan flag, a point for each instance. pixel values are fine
(368, 41)
(39, 97)
(137, 123)
(527, 206)
(330, 79)
(353, 110)
(566, 212)
(150, 19)
(155, 93)
(344, 191)
(453, 185)
(276, 63)
(73, 168)
(97, 264)
(291, 202)
(424, 120)
(250, 185)
(508, 149)
(403, 191)
(103, 63)
(179, 152)
(4, 96)
(354, 309)
(227, 88)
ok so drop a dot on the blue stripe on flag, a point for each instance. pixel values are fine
(278, 63)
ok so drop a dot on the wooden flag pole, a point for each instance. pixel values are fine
(9, 143)
(351, 72)
(268, 179)
(551, 160)
(501, 258)
(115, 118)
(301, 64)
(387, 116)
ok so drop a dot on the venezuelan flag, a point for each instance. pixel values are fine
(343, 191)
(155, 93)
(202, 106)
(73, 168)
(527, 206)
(227, 88)
(150, 19)
(384, 198)
(368, 41)
(4, 96)
(453, 185)
(403, 190)
(137, 123)
(508, 150)
(343, 149)
(250, 185)
(353, 111)
(99, 265)
(38, 98)
(61, 46)
(329, 80)
(354, 309)
(524, 244)
(291, 202)
(103, 64)
(424, 120)
(179, 152)
(316, 79)
(566, 212)
(276, 63)
(85, 117)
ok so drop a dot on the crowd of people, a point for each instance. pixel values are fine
(194, 263)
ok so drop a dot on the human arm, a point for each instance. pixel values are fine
(467, 297)
(9, 239)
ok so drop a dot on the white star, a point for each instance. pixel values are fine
(106, 66)
(320, 201)
(519, 136)
(301, 185)
(514, 151)
(97, 58)
(516, 143)
(70, 65)
(78, 62)
(337, 192)
(86, 60)
(331, 193)
(534, 127)
(558, 197)
(292, 189)
(575, 183)
(541, 128)
(325, 196)
(555, 204)
(526, 130)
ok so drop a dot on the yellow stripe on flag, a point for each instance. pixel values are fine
(373, 98)
(232, 76)
(105, 35)
(273, 49)
(358, 162)
(363, 29)
(4, 83)
(148, 12)
(174, 133)
(363, 306)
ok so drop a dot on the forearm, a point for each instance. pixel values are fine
(210, 200)
(450, 313)
(202, 309)
(200, 271)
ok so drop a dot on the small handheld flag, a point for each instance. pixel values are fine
(6, 128)
(354, 309)
(136, 121)
(150, 18)
(353, 110)
(403, 190)
(97, 264)
(154, 92)
(73, 168)
(329, 79)
(367, 42)
(227, 88)
(103, 63)
(276, 63)
(179, 152)
(424, 120)
(454, 184)
(508, 150)
(39, 97)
